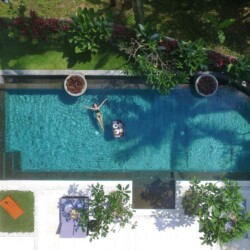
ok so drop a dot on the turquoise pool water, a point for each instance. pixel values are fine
(180, 132)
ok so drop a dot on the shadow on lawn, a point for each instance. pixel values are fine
(54, 55)
(183, 20)
(106, 56)
(73, 58)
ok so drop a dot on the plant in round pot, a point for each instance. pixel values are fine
(220, 209)
(108, 212)
(75, 84)
(206, 85)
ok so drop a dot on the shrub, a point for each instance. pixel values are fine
(218, 26)
(239, 70)
(169, 44)
(220, 211)
(191, 57)
(34, 28)
(4, 25)
(107, 211)
(122, 33)
(217, 61)
(146, 33)
(150, 58)
(88, 31)
(160, 79)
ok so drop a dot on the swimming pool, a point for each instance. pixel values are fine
(178, 132)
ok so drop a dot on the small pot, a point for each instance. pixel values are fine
(75, 84)
(206, 85)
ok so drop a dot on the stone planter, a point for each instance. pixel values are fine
(206, 85)
(75, 84)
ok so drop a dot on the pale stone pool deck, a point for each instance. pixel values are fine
(161, 228)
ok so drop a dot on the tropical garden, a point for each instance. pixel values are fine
(127, 35)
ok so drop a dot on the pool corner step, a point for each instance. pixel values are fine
(12, 164)
(8, 165)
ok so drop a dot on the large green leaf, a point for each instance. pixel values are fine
(221, 36)
(226, 23)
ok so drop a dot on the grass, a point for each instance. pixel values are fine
(25, 223)
(180, 19)
(16, 55)
(52, 8)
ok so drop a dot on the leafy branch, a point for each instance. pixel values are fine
(221, 214)
(218, 26)
(107, 211)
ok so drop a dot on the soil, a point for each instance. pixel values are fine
(206, 85)
(75, 84)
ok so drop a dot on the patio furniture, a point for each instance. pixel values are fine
(11, 207)
(70, 211)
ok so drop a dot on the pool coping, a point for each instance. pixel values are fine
(16, 173)
(90, 74)
(63, 72)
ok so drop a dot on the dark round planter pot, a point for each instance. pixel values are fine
(92, 225)
(206, 85)
(75, 84)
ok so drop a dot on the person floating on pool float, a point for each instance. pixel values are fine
(96, 109)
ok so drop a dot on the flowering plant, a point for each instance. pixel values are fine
(219, 61)
(34, 28)
(123, 33)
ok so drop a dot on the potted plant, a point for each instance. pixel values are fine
(75, 84)
(206, 85)
(107, 212)
(189, 202)
(220, 210)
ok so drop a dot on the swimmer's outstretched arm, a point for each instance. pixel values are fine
(102, 103)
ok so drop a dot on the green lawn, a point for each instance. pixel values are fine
(51, 8)
(25, 223)
(16, 55)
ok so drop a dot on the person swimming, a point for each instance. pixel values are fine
(97, 111)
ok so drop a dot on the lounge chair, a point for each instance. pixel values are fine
(69, 206)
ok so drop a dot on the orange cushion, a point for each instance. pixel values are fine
(11, 207)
